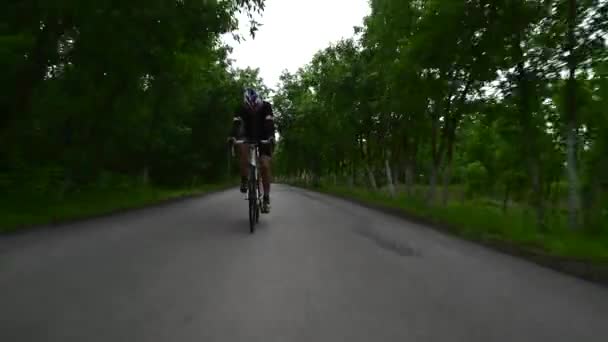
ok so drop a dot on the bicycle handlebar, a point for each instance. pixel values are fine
(263, 142)
(238, 142)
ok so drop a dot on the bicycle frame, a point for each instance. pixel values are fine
(253, 155)
(253, 165)
(254, 195)
(253, 151)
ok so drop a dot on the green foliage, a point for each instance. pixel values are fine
(105, 104)
(472, 93)
(476, 178)
(124, 88)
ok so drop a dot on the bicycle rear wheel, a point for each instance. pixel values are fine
(253, 201)
(258, 200)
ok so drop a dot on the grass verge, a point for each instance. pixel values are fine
(20, 212)
(578, 253)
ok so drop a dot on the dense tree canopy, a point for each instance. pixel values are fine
(100, 91)
(506, 98)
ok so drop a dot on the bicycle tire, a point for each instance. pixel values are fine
(258, 200)
(252, 196)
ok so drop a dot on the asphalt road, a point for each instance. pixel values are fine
(318, 269)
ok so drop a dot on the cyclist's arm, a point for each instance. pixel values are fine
(269, 125)
(237, 126)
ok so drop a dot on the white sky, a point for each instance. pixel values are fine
(293, 31)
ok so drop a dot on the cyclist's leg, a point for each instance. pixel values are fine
(266, 173)
(244, 165)
(265, 170)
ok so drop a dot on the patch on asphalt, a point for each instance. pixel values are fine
(400, 248)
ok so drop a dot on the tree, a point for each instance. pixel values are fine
(470, 93)
(127, 89)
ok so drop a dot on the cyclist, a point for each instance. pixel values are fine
(254, 121)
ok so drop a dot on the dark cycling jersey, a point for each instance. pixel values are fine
(256, 124)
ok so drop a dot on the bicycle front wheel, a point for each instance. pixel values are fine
(258, 201)
(253, 201)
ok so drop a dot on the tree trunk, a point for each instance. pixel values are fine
(531, 148)
(505, 200)
(432, 184)
(447, 173)
(389, 178)
(449, 136)
(410, 172)
(153, 123)
(573, 182)
(359, 161)
(409, 178)
(574, 201)
(396, 174)
(447, 178)
(436, 167)
(434, 160)
(537, 195)
(229, 165)
(372, 179)
(145, 176)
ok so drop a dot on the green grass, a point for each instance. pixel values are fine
(21, 211)
(477, 221)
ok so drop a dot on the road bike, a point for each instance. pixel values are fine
(254, 195)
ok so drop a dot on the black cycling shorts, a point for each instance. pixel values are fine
(265, 150)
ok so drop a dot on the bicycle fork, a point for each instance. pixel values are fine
(253, 166)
